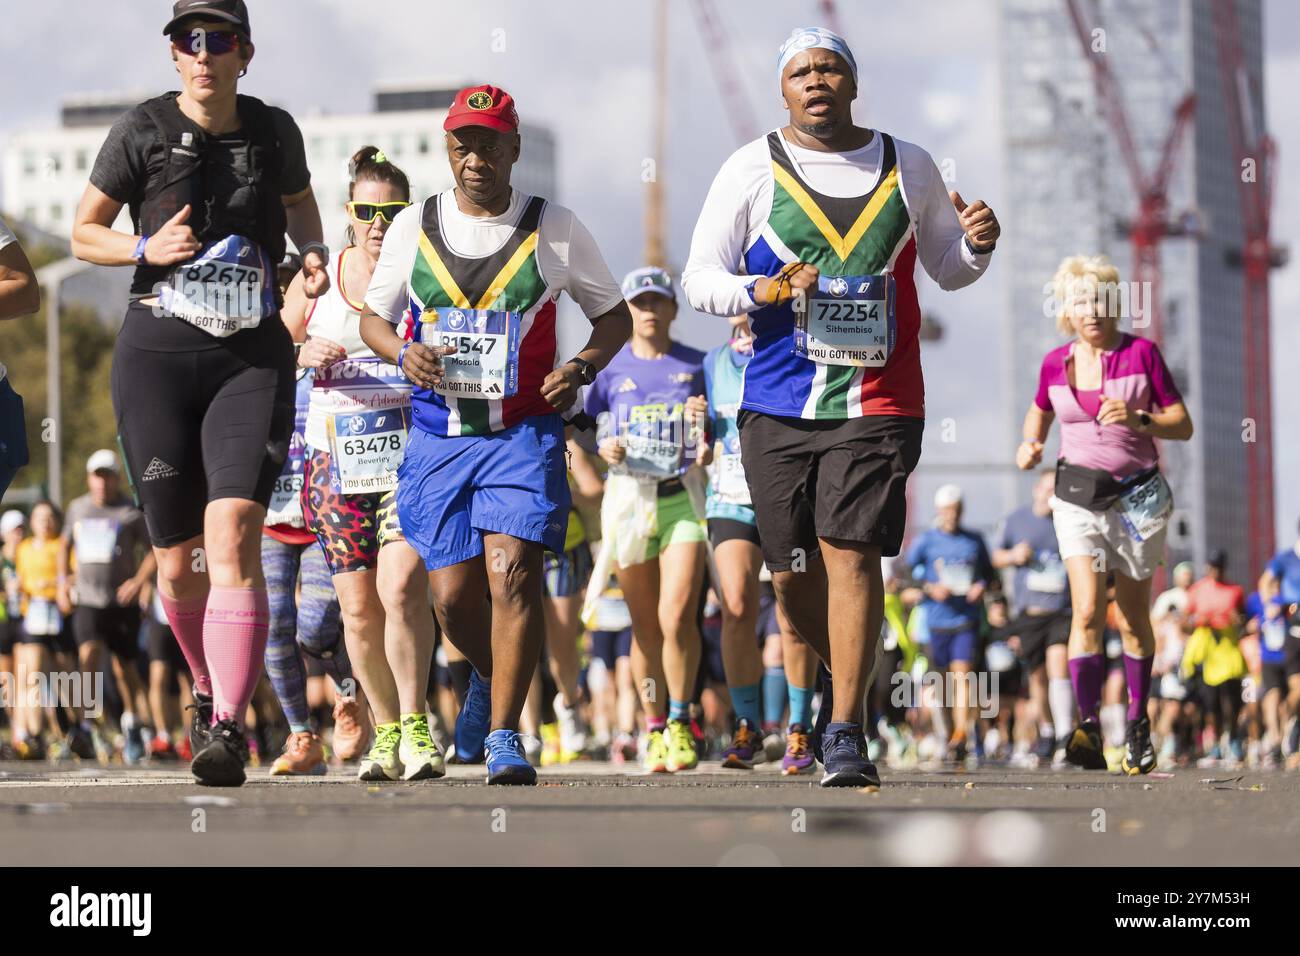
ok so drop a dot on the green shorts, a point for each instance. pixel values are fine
(677, 525)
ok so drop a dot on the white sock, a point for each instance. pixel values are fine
(1112, 722)
(1060, 698)
(127, 721)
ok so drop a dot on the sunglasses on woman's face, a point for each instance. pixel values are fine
(216, 42)
(367, 211)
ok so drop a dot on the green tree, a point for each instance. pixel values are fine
(86, 422)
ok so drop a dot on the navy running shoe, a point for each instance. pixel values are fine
(506, 763)
(846, 763)
(474, 720)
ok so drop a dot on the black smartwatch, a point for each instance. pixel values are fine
(1144, 418)
(586, 370)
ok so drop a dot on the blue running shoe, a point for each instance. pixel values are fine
(846, 761)
(506, 762)
(134, 746)
(823, 714)
(474, 720)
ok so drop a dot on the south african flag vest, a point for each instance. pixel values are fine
(870, 234)
(508, 280)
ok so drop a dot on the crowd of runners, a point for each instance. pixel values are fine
(362, 511)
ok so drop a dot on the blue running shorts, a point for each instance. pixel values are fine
(450, 491)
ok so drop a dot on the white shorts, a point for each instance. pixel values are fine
(1102, 534)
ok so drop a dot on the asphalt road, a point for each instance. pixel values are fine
(600, 814)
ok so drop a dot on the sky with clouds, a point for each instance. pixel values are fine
(583, 68)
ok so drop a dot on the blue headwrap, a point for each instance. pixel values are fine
(809, 38)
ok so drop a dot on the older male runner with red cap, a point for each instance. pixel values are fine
(482, 489)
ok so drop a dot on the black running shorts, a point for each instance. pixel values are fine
(117, 627)
(729, 529)
(843, 480)
(202, 424)
(1038, 632)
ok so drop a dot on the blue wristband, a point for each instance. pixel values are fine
(138, 255)
(750, 289)
(401, 354)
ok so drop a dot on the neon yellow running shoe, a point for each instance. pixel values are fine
(417, 752)
(682, 754)
(656, 752)
(551, 745)
(383, 761)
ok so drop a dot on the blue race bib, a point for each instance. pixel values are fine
(486, 361)
(849, 320)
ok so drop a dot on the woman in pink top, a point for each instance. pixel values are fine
(1114, 396)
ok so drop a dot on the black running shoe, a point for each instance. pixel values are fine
(1139, 755)
(200, 722)
(1083, 747)
(221, 762)
(823, 715)
(80, 742)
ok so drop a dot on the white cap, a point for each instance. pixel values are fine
(947, 495)
(102, 460)
(10, 520)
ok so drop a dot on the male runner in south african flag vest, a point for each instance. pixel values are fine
(831, 218)
(482, 488)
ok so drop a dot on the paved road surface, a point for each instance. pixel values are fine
(598, 814)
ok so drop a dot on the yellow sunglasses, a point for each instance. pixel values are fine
(367, 211)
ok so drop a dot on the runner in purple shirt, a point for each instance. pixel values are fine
(1114, 395)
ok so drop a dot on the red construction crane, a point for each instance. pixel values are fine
(718, 45)
(1253, 161)
(1152, 223)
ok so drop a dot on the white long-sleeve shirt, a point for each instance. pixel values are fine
(740, 200)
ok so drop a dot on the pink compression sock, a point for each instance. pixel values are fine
(234, 639)
(185, 615)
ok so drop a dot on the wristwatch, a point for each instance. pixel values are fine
(318, 247)
(586, 371)
(138, 255)
(1144, 418)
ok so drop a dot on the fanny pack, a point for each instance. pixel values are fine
(1093, 488)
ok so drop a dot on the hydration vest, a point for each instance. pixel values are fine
(179, 175)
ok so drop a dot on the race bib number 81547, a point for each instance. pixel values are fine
(849, 320)
(486, 361)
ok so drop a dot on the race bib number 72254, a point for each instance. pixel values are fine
(848, 320)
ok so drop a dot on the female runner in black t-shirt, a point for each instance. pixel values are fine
(203, 369)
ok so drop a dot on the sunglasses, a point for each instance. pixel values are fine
(367, 211)
(216, 42)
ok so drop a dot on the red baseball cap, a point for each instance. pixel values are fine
(488, 106)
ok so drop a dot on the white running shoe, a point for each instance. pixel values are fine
(573, 730)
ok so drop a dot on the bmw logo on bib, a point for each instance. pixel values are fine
(837, 287)
(356, 425)
(456, 320)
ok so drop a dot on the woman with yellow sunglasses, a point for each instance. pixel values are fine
(356, 435)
